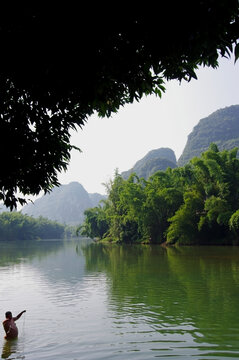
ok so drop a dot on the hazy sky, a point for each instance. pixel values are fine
(123, 139)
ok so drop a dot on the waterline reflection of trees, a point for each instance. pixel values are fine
(16, 252)
(196, 287)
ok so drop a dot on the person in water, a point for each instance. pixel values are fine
(10, 326)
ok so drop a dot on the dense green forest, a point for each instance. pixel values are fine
(16, 226)
(194, 204)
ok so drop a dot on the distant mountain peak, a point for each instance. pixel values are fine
(154, 160)
(65, 204)
(221, 127)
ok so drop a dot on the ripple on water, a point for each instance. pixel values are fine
(81, 307)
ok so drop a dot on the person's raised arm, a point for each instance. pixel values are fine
(19, 315)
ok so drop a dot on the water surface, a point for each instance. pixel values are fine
(91, 301)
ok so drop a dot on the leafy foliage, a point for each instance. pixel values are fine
(234, 223)
(62, 63)
(95, 225)
(16, 226)
(195, 204)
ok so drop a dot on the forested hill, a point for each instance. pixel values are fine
(65, 204)
(194, 204)
(154, 160)
(221, 128)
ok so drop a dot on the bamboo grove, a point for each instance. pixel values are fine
(194, 204)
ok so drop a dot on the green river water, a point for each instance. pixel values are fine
(92, 301)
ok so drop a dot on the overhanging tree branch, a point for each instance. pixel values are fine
(60, 64)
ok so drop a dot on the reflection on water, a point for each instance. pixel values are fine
(94, 301)
(188, 295)
(9, 348)
(13, 349)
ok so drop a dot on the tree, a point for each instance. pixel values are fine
(195, 204)
(210, 206)
(59, 64)
(184, 224)
(16, 226)
(95, 224)
(122, 225)
(234, 224)
(132, 204)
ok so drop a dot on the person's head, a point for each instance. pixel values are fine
(8, 315)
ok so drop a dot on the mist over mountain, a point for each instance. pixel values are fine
(65, 204)
(221, 128)
(154, 160)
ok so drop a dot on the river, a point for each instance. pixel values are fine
(93, 301)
